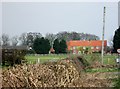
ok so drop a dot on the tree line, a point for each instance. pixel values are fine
(36, 43)
(27, 39)
(42, 45)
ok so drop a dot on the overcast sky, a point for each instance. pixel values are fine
(51, 17)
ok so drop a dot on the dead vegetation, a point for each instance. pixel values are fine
(63, 73)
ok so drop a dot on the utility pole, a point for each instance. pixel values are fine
(102, 53)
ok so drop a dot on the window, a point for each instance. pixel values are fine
(92, 47)
(84, 47)
(73, 47)
(97, 47)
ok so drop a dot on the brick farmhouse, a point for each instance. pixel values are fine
(94, 45)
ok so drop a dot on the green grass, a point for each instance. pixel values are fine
(101, 70)
(44, 58)
(108, 59)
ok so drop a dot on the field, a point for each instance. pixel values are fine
(108, 59)
(44, 58)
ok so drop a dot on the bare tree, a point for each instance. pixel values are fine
(51, 37)
(23, 39)
(15, 40)
(5, 40)
(27, 39)
(31, 36)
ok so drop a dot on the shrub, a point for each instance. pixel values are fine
(83, 61)
(11, 57)
(94, 60)
(117, 84)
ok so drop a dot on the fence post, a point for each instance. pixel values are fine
(38, 61)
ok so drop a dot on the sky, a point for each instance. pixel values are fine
(1, 19)
(119, 13)
(54, 17)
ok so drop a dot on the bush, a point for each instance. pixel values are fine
(10, 57)
(94, 58)
(83, 61)
(117, 84)
(31, 52)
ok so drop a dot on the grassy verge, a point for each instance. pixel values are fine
(107, 59)
(101, 70)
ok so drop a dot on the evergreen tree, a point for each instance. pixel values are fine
(47, 46)
(56, 46)
(63, 46)
(116, 40)
(41, 46)
(36, 45)
(60, 46)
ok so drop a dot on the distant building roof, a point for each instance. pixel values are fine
(14, 47)
(52, 50)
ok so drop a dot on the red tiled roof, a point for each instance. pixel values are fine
(52, 50)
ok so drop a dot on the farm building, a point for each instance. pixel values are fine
(82, 46)
(51, 51)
